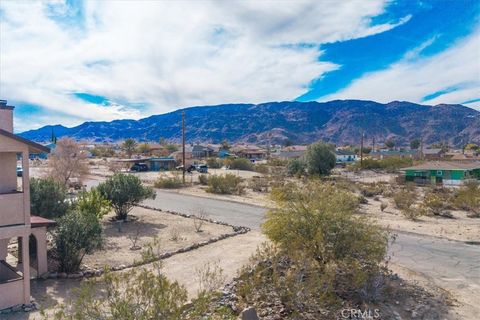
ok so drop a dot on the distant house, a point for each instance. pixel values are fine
(433, 154)
(154, 164)
(291, 152)
(446, 173)
(224, 154)
(203, 151)
(250, 152)
(161, 164)
(385, 154)
(345, 156)
(43, 155)
(178, 155)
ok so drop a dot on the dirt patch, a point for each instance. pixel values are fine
(460, 228)
(173, 232)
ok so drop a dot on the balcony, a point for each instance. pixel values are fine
(12, 208)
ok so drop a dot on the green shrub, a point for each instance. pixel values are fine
(76, 234)
(214, 163)
(124, 191)
(405, 201)
(168, 182)
(321, 241)
(468, 198)
(226, 184)
(437, 202)
(203, 179)
(150, 295)
(296, 167)
(48, 198)
(320, 159)
(262, 168)
(240, 164)
(92, 202)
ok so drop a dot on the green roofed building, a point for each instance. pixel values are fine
(447, 173)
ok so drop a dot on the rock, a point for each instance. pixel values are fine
(16, 308)
(249, 314)
(53, 275)
(62, 275)
(76, 275)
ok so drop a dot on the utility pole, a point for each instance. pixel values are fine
(183, 145)
(373, 144)
(361, 150)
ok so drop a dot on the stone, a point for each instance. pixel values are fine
(53, 275)
(16, 308)
(76, 275)
(249, 314)
(62, 275)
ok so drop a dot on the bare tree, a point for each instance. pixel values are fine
(67, 162)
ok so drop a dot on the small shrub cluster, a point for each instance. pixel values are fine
(225, 184)
(468, 198)
(164, 182)
(262, 168)
(437, 202)
(239, 164)
(371, 190)
(405, 201)
(203, 179)
(259, 184)
(214, 163)
(296, 167)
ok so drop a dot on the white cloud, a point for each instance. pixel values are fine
(455, 71)
(169, 54)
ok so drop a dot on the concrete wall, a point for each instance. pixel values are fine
(12, 210)
(8, 169)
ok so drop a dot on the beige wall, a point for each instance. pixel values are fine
(6, 119)
(8, 173)
(11, 210)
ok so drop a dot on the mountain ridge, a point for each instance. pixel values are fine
(337, 121)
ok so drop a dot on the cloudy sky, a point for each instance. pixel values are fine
(73, 61)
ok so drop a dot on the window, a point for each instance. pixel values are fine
(439, 173)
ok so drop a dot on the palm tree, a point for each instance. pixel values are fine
(129, 146)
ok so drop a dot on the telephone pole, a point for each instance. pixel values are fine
(183, 145)
(361, 150)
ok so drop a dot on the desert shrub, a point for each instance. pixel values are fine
(226, 184)
(436, 202)
(92, 202)
(296, 167)
(165, 182)
(77, 233)
(150, 295)
(102, 151)
(262, 168)
(203, 179)
(214, 163)
(48, 198)
(371, 190)
(124, 191)
(259, 184)
(67, 162)
(322, 249)
(199, 220)
(320, 159)
(241, 164)
(404, 199)
(468, 198)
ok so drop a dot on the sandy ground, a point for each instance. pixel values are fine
(463, 303)
(229, 254)
(462, 228)
(150, 224)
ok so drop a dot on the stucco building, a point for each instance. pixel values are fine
(16, 224)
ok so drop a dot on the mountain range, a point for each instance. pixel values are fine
(340, 121)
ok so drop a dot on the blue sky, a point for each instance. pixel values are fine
(73, 61)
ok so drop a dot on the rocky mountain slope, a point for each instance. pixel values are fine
(339, 121)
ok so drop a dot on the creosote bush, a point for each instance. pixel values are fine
(203, 179)
(225, 184)
(322, 252)
(165, 182)
(468, 198)
(124, 191)
(239, 164)
(93, 202)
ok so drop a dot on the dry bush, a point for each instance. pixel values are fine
(67, 162)
(437, 202)
(227, 184)
(210, 277)
(259, 184)
(165, 182)
(199, 220)
(203, 179)
(468, 198)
